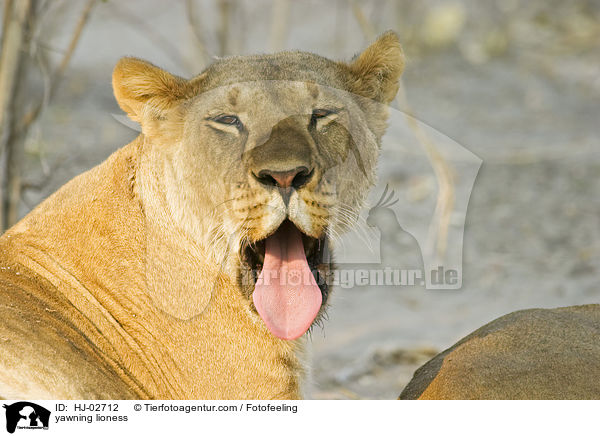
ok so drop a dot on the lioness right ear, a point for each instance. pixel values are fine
(143, 89)
(378, 68)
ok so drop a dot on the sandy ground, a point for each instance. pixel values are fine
(532, 234)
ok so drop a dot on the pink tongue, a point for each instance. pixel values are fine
(286, 294)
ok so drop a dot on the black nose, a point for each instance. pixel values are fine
(295, 178)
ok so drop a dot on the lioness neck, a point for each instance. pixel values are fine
(162, 315)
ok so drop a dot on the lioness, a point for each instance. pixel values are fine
(149, 275)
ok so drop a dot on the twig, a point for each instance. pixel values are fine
(15, 22)
(279, 24)
(85, 15)
(196, 28)
(33, 114)
(18, 131)
(8, 4)
(444, 206)
(364, 23)
(223, 30)
(438, 231)
(12, 39)
(171, 50)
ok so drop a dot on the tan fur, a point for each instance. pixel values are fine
(536, 354)
(125, 282)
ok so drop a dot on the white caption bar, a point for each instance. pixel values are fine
(297, 417)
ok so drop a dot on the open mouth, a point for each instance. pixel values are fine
(287, 271)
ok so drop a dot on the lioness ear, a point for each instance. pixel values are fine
(378, 69)
(142, 88)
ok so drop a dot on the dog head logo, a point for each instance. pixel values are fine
(26, 415)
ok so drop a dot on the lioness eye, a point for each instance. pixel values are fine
(231, 120)
(320, 113)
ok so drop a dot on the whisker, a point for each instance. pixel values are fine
(351, 219)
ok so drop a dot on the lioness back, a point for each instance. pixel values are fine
(49, 346)
(33, 332)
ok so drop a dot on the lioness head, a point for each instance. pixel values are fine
(264, 161)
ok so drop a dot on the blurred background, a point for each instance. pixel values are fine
(516, 82)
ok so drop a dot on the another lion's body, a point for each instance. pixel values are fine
(533, 354)
(126, 282)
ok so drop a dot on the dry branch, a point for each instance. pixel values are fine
(443, 172)
(196, 28)
(279, 24)
(55, 77)
(224, 24)
(14, 132)
(365, 25)
(15, 22)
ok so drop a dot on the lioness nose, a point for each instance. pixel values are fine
(295, 178)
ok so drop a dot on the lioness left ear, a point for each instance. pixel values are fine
(144, 89)
(378, 68)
